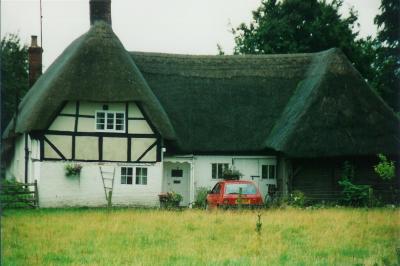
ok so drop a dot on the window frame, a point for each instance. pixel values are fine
(126, 175)
(218, 174)
(139, 176)
(114, 123)
(267, 167)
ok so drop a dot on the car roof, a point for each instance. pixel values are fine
(237, 182)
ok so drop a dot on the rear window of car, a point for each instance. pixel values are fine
(247, 189)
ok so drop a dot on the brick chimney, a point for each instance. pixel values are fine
(35, 61)
(100, 10)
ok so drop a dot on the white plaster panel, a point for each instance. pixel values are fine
(134, 111)
(86, 148)
(62, 143)
(69, 108)
(86, 124)
(151, 155)
(63, 123)
(115, 149)
(139, 127)
(49, 152)
(139, 146)
(90, 108)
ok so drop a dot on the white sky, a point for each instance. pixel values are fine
(171, 26)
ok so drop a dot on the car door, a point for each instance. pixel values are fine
(213, 197)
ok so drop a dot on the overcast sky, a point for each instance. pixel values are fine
(171, 26)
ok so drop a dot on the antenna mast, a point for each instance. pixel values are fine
(41, 25)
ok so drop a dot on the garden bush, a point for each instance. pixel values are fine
(201, 196)
(297, 198)
(353, 194)
(170, 200)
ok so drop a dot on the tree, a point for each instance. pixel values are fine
(387, 61)
(14, 76)
(297, 26)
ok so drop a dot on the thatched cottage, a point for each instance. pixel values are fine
(146, 123)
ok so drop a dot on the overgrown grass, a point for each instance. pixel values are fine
(195, 237)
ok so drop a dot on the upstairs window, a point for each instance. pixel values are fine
(217, 169)
(109, 121)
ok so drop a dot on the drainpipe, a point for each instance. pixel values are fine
(26, 157)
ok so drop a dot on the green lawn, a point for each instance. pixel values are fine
(195, 237)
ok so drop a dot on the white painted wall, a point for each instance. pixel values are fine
(248, 165)
(16, 169)
(57, 190)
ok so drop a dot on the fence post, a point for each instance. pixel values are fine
(36, 195)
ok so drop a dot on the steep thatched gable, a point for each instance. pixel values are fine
(333, 112)
(95, 67)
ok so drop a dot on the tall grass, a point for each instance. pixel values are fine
(194, 237)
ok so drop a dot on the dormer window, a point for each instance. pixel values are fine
(109, 121)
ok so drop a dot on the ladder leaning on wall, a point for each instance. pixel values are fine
(108, 183)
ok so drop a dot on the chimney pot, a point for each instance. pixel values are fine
(35, 61)
(34, 41)
(100, 10)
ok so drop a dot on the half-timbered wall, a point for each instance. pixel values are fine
(80, 133)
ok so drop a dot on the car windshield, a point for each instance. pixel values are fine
(236, 187)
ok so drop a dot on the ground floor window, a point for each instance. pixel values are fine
(217, 170)
(126, 175)
(141, 176)
(268, 171)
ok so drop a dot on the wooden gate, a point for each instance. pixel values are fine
(19, 195)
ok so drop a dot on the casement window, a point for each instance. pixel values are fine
(126, 175)
(268, 171)
(217, 169)
(109, 121)
(141, 176)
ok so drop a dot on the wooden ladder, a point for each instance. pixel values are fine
(108, 183)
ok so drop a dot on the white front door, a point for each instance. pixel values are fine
(176, 179)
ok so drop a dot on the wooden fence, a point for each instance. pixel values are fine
(19, 195)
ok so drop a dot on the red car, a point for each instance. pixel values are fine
(230, 193)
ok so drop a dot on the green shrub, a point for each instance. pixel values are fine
(201, 196)
(170, 200)
(297, 198)
(73, 169)
(385, 168)
(354, 195)
(231, 174)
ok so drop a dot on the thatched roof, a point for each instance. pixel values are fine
(95, 67)
(303, 105)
